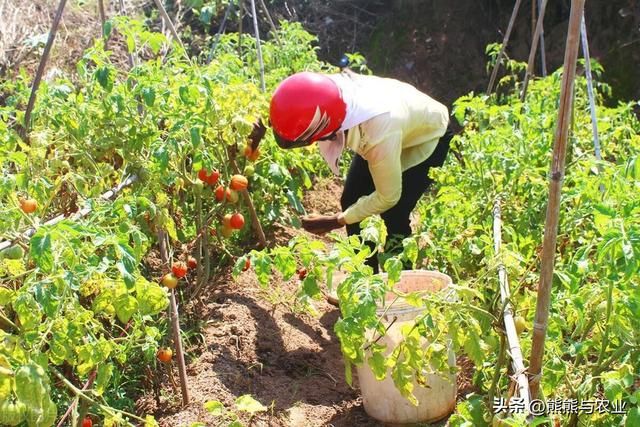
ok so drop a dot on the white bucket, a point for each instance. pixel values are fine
(382, 400)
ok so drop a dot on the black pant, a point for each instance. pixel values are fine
(415, 181)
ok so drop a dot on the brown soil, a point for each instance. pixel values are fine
(290, 362)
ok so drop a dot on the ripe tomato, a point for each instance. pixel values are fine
(302, 273)
(253, 155)
(247, 150)
(236, 221)
(170, 281)
(238, 182)
(28, 205)
(220, 193)
(164, 355)
(87, 422)
(209, 178)
(192, 262)
(521, 324)
(179, 269)
(247, 264)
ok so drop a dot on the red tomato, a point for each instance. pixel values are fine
(179, 269)
(247, 264)
(302, 273)
(220, 193)
(87, 422)
(192, 262)
(236, 221)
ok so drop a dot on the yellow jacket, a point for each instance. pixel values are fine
(402, 136)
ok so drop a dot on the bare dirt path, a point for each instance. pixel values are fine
(289, 362)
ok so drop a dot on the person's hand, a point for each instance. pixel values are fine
(259, 129)
(321, 224)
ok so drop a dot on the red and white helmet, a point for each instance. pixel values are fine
(306, 107)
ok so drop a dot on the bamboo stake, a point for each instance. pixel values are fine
(513, 341)
(83, 212)
(258, 45)
(590, 91)
(534, 49)
(172, 28)
(543, 54)
(175, 324)
(553, 206)
(505, 41)
(130, 58)
(240, 16)
(274, 30)
(41, 67)
(103, 15)
(220, 31)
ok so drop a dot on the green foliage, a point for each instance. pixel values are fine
(82, 300)
(506, 147)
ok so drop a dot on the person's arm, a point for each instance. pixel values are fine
(386, 170)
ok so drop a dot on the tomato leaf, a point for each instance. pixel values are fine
(40, 250)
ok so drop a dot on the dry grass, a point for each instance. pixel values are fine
(25, 24)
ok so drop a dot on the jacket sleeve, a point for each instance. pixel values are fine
(386, 170)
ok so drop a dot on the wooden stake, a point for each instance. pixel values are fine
(553, 207)
(240, 16)
(220, 31)
(130, 58)
(172, 28)
(534, 49)
(505, 41)
(258, 46)
(274, 30)
(513, 341)
(543, 55)
(41, 67)
(175, 324)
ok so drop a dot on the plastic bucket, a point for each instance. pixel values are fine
(381, 399)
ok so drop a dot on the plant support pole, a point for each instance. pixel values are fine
(505, 41)
(130, 58)
(258, 46)
(515, 352)
(534, 49)
(41, 67)
(175, 324)
(590, 91)
(543, 54)
(553, 207)
(220, 31)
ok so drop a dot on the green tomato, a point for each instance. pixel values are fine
(12, 252)
(521, 325)
(249, 171)
(12, 413)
